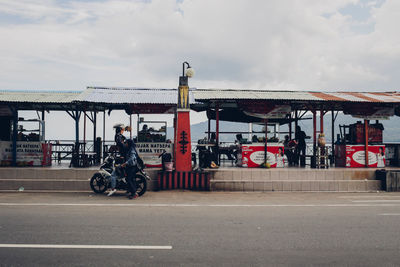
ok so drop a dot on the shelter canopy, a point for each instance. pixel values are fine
(134, 100)
(38, 100)
(295, 97)
(235, 104)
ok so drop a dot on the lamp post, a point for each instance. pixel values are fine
(183, 148)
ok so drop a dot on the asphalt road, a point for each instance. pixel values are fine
(200, 229)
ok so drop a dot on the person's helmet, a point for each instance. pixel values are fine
(119, 125)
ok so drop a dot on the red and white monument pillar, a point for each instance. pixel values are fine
(183, 148)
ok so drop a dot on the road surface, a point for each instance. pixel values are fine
(182, 228)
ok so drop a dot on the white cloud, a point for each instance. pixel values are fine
(292, 44)
(243, 44)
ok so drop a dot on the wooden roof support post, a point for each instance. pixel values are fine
(94, 126)
(209, 129)
(366, 143)
(266, 142)
(175, 135)
(130, 126)
(138, 120)
(84, 131)
(104, 132)
(76, 118)
(217, 123)
(321, 121)
(44, 128)
(333, 136)
(14, 136)
(290, 126)
(314, 131)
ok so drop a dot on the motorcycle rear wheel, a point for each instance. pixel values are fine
(98, 183)
(141, 184)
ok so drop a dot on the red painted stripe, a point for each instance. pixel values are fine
(159, 177)
(362, 96)
(395, 96)
(171, 177)
(168, 180)
(327, 97)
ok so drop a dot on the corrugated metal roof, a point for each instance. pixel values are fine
(210, 94)
(115, 95)
(37, 96)
(232, 94)
(131, 95)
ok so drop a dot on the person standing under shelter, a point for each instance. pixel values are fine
(300, 151)
(289, 146)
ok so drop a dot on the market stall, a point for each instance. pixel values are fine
(31, 148)
(152, 142)
(252, 154)
(350, 149)
(353, 156)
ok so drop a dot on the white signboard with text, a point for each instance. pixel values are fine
(28, 153)
(150, 152)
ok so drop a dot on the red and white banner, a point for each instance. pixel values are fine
(253, 156)
(355, 156)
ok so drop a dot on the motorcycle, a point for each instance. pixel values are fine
(101, 180)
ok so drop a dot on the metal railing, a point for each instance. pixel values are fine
(62, 150)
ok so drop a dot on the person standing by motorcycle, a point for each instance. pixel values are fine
(131, 165)
(119, 139)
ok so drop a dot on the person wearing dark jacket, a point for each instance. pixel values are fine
(300, 137)
(131, 165)
(119, 139)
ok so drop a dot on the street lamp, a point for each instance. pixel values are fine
(183, 80)
(183, 91)
(182, 139)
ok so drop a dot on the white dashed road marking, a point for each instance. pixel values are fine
(364, 204)
(377, 201)
(84, 246)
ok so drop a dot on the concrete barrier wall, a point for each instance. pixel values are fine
(293, 174)
(308, 180)
(229, 179)
(68, 179)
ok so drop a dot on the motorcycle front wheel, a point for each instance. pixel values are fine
(98, 183)
(141, 184)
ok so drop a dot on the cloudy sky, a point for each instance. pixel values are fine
(259, 44)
